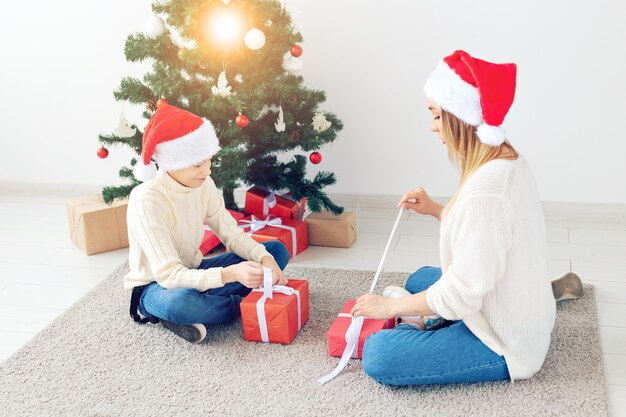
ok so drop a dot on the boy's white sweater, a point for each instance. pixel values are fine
(165, 229)
(493, 256)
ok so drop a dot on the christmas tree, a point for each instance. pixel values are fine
(236, 64)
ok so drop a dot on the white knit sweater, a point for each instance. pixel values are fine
(165, 231)
(493, 256)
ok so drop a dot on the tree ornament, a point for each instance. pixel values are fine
(320, 123)
(280, 122)
(254, 39)
(154, 27)
(161, 102)
(296, 50)
(315, 157)
(241, 120)
(123, 130)
(222, 88)
(103, 152)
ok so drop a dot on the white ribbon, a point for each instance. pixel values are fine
(354, 330)
(268, 290)
(270, 201)
(255, 224)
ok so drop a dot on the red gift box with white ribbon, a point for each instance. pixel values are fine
(293, 233)
(262, 202)
(337, 332)
(275, 314)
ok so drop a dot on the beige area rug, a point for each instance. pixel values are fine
(94, 361)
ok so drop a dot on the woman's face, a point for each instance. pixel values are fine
(435, 125)
(193, 177)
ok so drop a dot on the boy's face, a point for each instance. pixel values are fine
(193, 177)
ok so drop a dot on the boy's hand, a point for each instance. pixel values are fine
(278, 278)
(248, 273)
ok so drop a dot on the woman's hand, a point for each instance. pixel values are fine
(374, 306)
(248, 273)
(278, 278)
(422, 204)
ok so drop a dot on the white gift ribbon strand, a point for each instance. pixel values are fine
(354, 330)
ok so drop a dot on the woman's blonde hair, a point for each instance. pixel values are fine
(466, 151)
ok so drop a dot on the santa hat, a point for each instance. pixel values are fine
(176, 139)
(478, 92)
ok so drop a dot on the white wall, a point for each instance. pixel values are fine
(372, 57)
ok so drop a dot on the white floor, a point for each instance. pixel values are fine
(42, 273)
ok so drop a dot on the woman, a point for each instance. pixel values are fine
(171, 282)
(492, 298)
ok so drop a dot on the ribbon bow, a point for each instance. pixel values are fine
(255, 224)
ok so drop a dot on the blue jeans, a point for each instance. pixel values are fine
(406, 355)
(214, 306)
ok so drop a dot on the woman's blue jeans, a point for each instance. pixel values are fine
(452, 354)
(214, 306)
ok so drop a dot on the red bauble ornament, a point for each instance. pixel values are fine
(241, 120)
(103, 152)
(160, 103)
(315, 157)
(296, 50)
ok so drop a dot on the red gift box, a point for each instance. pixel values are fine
(210, 239)
(284, 314)
(337, 332)
(293, 233)
(260, 202)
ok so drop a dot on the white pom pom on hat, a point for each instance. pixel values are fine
(176, 139)
(478, 92)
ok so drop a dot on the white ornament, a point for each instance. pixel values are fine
(154, 27)
(124, 130)
(292, 64)
(266, 109)
(239, 78)
(280, 122)
(222, 88)
(254, 39)
(320, 123)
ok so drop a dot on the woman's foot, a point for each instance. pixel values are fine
(567, 287)
(193, 333)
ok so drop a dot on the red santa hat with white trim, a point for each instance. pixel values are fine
(175, 139)
(478, 92)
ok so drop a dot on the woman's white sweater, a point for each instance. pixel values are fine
(495, 275)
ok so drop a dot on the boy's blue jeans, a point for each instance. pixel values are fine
(409, 356)
(214, 306)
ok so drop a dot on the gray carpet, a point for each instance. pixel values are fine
(94, 361)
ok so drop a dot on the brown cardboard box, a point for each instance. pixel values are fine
(95, 226)
(326, 229)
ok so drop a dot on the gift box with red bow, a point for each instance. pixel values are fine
(261, 203)
(210, 240)
(275, 313)
(293, 233)
(337, 332)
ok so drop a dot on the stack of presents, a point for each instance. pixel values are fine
(268, 316)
